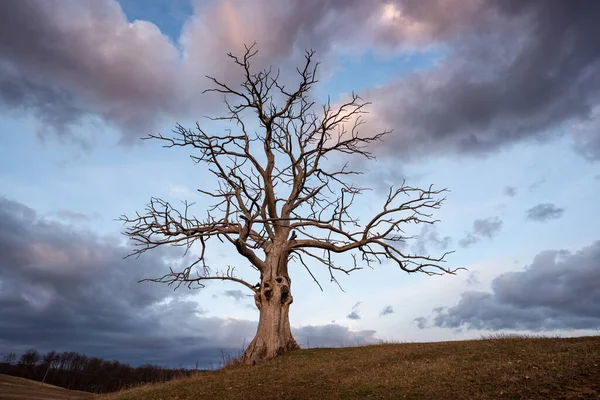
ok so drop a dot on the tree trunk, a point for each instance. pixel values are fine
(46, 374)
(273, 336)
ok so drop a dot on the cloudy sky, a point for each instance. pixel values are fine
(496, 100)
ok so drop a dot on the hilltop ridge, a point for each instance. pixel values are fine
(496, 368)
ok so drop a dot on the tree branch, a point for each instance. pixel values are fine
(277, 191)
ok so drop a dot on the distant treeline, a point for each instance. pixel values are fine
(76, 371)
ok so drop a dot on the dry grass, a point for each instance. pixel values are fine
(12, 388)
(493, 368)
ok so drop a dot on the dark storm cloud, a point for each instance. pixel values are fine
(559, 290)
(386, 311)
(55, 108)
(482, 228)
(68, 289)
(65, 62)
(514, 70)
(82, 59)
(531, 67)
(544, 212)
(71, 290)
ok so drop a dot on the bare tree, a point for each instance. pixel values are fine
(50, 359)
(8, 358)
(30, 358)
(280, 201)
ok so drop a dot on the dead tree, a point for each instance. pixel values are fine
(279, 201)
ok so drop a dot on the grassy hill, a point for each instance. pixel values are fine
(12, 388)
(498, 368)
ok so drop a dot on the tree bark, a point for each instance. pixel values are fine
(273, 335)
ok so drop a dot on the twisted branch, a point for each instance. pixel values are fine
(276, 189)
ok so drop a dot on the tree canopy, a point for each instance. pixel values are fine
(280, 199)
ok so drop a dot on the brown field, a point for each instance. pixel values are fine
(12, 388)
(498, 368)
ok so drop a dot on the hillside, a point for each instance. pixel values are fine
(12, 388)
(501, 368)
